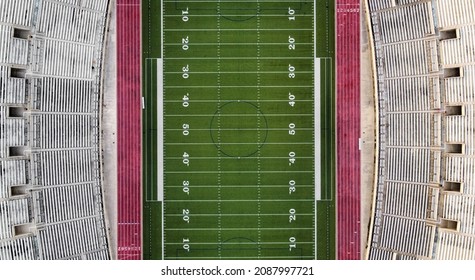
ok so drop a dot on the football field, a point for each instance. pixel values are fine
(238, 129)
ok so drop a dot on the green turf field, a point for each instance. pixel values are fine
(248, 147)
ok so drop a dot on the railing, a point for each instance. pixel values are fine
(381, 160)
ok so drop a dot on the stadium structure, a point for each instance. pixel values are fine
(424, 58)
(51, 191)
(236, 147)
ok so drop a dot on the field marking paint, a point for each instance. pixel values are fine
(161, 141)
(240, 200)
(237, 215)
(226, 101)
(241, 57)
(243, 186)
(162, 29)
(214, 144)
(318, 135)
(160, 130)
(243, 72)
(234, 229)
(231, 129)
(316, 124)
(235, 44)
(233, 29)
(210, 15)
(239, 243)
(240, 86)
(298, 257)
(237, 172)
(229, 158)
(242, 115)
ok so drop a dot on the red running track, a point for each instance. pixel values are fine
(348, 129)
(129, 233)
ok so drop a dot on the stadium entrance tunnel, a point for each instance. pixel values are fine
(238, 129)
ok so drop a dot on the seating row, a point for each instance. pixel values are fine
(410, 94)
(461, 90)
(406, 200)
(12, 50)
(51, 56)
(97, 5)
(12, 133)
(409, 129)
(63, 203)
(75, 166)
(62, 95)
(460, 208)
(376, 5)
(69, 60)
(408, 165)
(408, 236)
(453, 246)
(55, 131)
(12, 90)
(12, 212)
(17, 12)
(424, 202)
(23, 248)
(451, 13)
(59, 241)
(406, 23)
(12, 173)
(405, 59)
(459, 51)
(71, 23)
(459, 168)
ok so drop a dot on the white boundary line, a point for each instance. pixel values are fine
(161, 141)
(232, 29)
(241, 58)
(160, 130)
(237, 86)
(240, 200)
(236, 229)
(316, 149)
(236, 44)
(241, 186)
(161, 29)
(239, 243)
(317, 112)
(263, 258)
(261, 15)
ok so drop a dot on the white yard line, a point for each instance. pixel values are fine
(235, 44)
(161, 141)
(242, 200)
(298, 257)
(232, 29)
(239, 86)
(235, 229)
(241, 58)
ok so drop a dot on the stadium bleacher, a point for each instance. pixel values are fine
(51, 190)
(424, 65)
